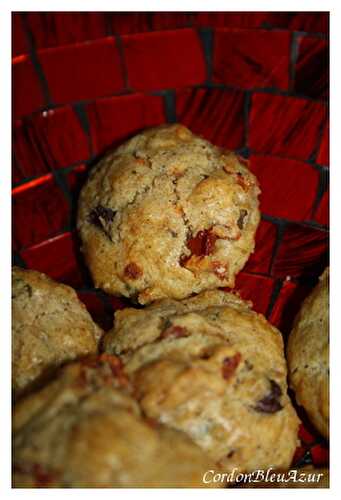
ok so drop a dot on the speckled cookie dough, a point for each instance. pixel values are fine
(84, 429)
(167, 215)
(308, 356)
(49, 326)
(213, 368)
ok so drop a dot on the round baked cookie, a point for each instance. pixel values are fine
(308, 355)
(84, 429)
(167, 215)
(213, 368)
(49, 326)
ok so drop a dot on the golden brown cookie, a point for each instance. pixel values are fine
(308, 355)
(49, 326)
(213, 368)
(84, 429)
(167, 215)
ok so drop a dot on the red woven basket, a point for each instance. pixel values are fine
(253, 82)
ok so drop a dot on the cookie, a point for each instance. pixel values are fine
(167, 215)
(84, 429)
(49, 326)
(211, 367)
(308, 355)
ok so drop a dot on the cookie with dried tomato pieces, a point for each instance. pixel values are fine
(85, 429)
(215, 369)
(308, 355)
(167, 214)
(50, 325)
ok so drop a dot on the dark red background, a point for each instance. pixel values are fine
(254, 82)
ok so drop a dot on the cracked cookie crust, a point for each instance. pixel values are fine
(308, 355)
(50, 325)
(211, 367)
(167, 214)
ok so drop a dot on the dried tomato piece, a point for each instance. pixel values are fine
(203, 243)
(230, 365)
(133, 271)
(174, 331)
(270, 403)
(95, 362)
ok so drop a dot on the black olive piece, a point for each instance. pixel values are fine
(242, 215)
(270, 403)
(101, 212)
